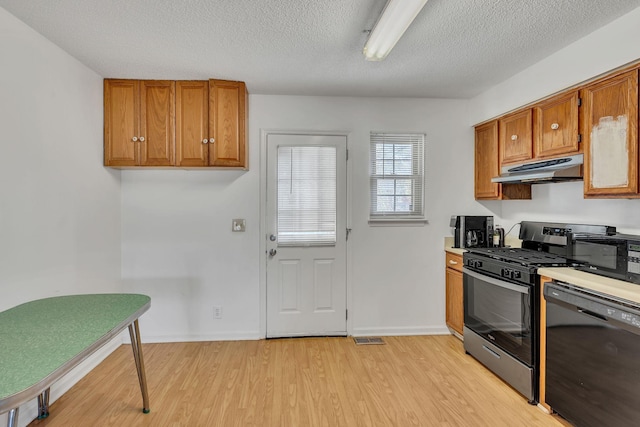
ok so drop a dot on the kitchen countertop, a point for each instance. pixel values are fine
(448, 245)
(617, 288)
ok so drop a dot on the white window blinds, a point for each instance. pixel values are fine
(307, 191)
(397, 176)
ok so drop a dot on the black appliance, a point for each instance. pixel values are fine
(472, 231)
(502, 301)
(593, 343)
(616, 256)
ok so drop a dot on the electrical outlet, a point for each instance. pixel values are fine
(238, 225)
(217, 312)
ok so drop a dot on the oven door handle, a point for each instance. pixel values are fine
(501, 283)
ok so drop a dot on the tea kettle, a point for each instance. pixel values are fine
(498, 237)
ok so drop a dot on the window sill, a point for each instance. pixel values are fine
(398, 222)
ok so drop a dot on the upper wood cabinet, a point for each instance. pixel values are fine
(138, 123)
(227, 123)
(192, 123)
(555, 126)
(487, 167)
(486, 161)
(609, 120)
(516, 133)
(168, 123)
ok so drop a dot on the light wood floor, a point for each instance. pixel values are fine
(409, 381)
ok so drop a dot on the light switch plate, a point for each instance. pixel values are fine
(238, 225)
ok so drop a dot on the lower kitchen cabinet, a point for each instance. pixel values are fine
(454, 307)
(543, 344)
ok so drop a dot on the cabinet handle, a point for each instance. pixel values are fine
(514, 137)
(452, 262)
(142, 139)
(204, 141)
(212, 140)
(134, 139)
(555, 126)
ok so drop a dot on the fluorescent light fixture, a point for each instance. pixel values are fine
(396, 17)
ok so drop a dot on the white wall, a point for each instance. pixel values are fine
(59, 208)
(606, 48)
(177, 244)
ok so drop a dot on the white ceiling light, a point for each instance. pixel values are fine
(396, 17)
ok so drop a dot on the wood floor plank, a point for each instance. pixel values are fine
(409, 381)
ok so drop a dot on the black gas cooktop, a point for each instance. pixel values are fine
(526, 257)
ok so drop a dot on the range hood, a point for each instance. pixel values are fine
(542, 171)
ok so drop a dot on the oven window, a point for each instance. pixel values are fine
(500, 309)
(500, 315)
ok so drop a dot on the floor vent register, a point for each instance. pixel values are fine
(368, 340)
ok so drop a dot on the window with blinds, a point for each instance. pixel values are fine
(307, 192)
(397, 176)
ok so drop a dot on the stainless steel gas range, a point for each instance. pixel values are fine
(502, 300)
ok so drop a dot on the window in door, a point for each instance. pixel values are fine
(306, 201)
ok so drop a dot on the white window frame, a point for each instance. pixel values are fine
(417, 214)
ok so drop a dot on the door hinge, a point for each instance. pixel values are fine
(348, 232)
(346, 314)
(347, 155)
(579, 102)
(579, 137)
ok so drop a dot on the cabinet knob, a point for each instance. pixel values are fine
(142, 139)
(134, 139)
(204, 141)
(555, 126)
(514, 137)
(212, 140)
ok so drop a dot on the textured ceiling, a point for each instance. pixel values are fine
(454, 49)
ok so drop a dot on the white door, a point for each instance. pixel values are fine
(306, 234)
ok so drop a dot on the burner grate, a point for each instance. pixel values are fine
(522, 256)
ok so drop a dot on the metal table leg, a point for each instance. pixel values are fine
(43, 404)
(12, 421)
(134, 333)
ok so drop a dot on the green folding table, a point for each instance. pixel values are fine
(42, 340)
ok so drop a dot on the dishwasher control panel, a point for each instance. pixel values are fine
(592, 304)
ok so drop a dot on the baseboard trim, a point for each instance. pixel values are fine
(400, 331)
(221, 336)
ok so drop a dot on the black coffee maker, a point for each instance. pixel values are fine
(472, 231)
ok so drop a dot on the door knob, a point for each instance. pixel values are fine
(273, 252)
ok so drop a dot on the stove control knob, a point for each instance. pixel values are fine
(505, 272)
(515, 275)
(478, 264)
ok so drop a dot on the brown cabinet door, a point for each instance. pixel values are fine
(610, 121)
(121, 113)
(486, 161)
(192, 123)
(157, 126)
(454, 295)
(555, 126)
(516, 133)
(227, 123)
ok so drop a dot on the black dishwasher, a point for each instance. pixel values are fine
(593, 357)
